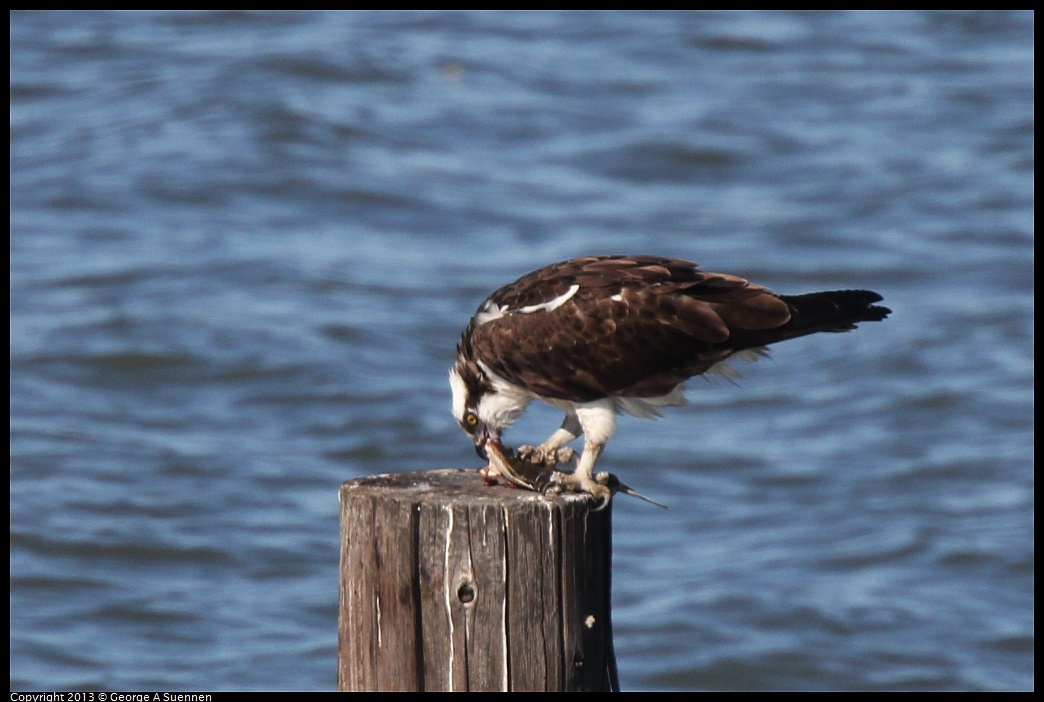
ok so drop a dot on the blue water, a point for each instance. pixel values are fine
(243, 246)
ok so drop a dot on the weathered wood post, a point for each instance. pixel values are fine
(450, 584)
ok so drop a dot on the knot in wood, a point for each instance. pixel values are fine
(466, 593)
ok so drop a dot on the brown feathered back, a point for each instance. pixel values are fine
(637, 326)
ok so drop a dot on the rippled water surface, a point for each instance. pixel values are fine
(243, 246)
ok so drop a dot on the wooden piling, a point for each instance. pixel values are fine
(448, 584)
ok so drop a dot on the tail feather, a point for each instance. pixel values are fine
(831, 311)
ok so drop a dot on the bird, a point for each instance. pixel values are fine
(599, 335)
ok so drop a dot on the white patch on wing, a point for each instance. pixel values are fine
(551, 305)
(491, 310)
(488, 313)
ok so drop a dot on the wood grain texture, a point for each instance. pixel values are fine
(448, 584)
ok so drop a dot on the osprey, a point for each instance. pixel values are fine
(598, 335)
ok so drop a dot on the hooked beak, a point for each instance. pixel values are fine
(481, 438)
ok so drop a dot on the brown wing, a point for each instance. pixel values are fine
(636, 326)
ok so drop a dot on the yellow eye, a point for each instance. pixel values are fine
(470, 419)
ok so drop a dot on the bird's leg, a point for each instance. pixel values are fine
(598, 422)
(583, 479)
(602, 486)
(554, 450)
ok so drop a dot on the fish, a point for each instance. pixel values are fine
(539, 477)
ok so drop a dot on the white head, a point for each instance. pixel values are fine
(484, 404)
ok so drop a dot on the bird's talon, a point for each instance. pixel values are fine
(552, 488)
(561, 481)
(545, 457)
(567, 454)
